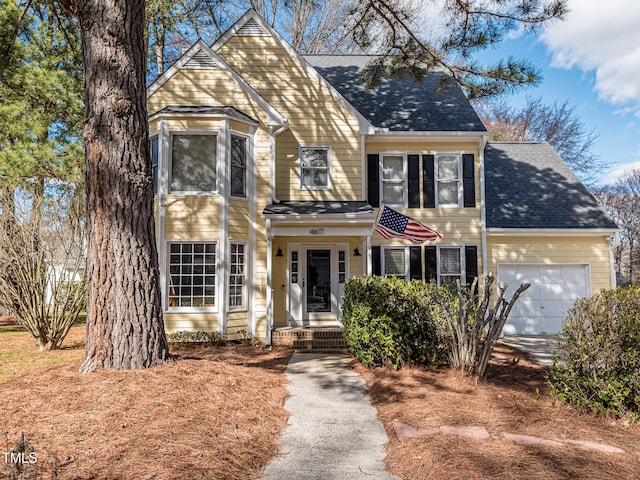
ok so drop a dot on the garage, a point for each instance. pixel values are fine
(543, 306)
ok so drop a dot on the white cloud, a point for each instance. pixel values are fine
(601, 36)
(614, 172)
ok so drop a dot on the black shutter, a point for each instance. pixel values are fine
(413, 162)
(373, 179)
(430, 264)
(415, 263)
(471, 263)
(468, 180)
(429, 188)
(376, 263)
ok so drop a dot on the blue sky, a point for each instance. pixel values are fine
(592, 59)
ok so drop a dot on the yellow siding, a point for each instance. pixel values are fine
(203, 87)
(205, 322)
(238, 219)
(258, 283)
(193, 217)
(314, 116)
(182, 124)
(237, 326)
(590, 250)
(239, 127)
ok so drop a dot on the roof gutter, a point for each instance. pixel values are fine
(383, 134)
(551, 232)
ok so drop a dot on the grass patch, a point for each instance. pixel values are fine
(19, 352)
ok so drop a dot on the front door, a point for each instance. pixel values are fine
(317, 282)
(317, 273)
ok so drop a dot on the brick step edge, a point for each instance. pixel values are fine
(320, 343)
(341, 351)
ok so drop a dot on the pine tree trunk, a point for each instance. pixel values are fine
(124, 318)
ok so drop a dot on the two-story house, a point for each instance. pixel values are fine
(271, 167)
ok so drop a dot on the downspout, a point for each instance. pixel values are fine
(483, 209)
(612, 265)
(272, 199)
(163, 149)
(363, 158)
(269, 282)
(272, 160)
(366, 267)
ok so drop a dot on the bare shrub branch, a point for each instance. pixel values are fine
(469, 316)
(42, 281)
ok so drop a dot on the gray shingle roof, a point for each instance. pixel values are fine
(317, 208)
(528, 185)
(399, 104)
(207, 110)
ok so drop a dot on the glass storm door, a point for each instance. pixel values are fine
(318, 296)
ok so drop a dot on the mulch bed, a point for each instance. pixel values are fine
(514, 399)
(214, 413)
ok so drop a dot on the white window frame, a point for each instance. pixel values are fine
(217, 277)
(463, 267)
(459, 180)
(405, 196)
(155, 166)
(247, 150)
(329, 149)
(243, 305)
(383, 266)
(219, 149)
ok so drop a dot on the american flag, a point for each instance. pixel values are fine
(392, 224)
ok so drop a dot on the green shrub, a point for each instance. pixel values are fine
(388, 321)
(599, 366)
(212, 338)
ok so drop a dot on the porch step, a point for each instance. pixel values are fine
(311, 340)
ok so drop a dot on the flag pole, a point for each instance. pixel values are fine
(377, 218)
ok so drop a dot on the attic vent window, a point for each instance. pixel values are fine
(252, 29)
(201, 60)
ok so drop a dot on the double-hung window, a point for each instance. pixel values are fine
(393, 176)
(193, 163)
(449, 180)
(450, 265)
(315, 167)
(395, 262)
(154, 163)
(238, 166)
(192, 275)
(237, 276)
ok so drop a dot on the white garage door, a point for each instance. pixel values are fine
(543, 306)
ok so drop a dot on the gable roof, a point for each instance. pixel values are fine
(252, 24)
(400, 104)
(200, 56)
(528, 186)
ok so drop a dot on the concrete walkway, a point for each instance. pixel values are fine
(333, 431)
(540, 346)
